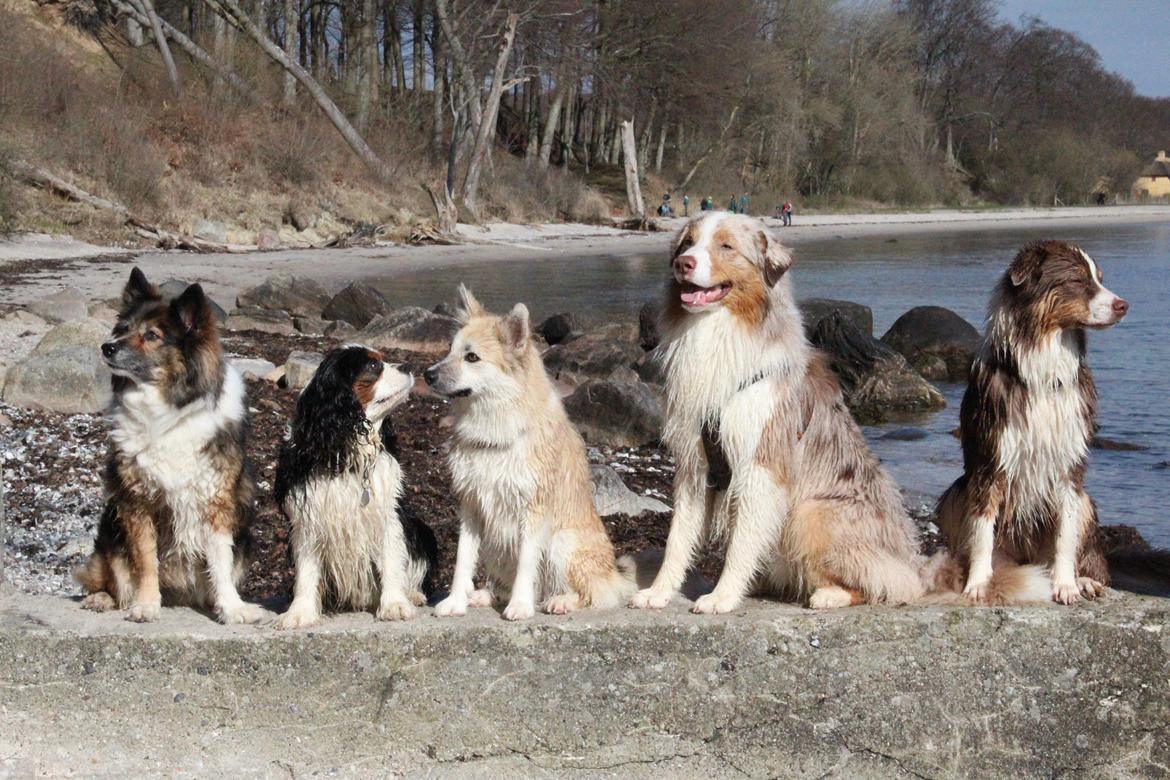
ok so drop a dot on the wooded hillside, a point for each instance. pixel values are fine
(243, 110)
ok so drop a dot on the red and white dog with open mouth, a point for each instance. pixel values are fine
(768, 457)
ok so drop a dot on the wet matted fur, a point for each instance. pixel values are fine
(179, 490)
(519, 470)
(1027, 418)
(340, 485)
(768, 458)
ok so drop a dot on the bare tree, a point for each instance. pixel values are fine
(160, 40)
(487, 124)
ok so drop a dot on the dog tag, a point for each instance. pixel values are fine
(365, 495)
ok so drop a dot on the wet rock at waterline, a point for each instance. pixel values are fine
(877, 381)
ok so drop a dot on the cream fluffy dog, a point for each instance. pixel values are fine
(519, 469)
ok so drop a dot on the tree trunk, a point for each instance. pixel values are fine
(703, 157)
(163, 48)
(644, 146)
(532, 148)
(229, 9)
(461, 61)
(366, 63)
(394, 43)
(417, 38)
(292, 45)
(550, 127)
(633, 188)
(568, 128)
(438, 94)
(661, 148)
(487, 125)
(615, 144)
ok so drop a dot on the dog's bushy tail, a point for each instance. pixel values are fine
(616, 588)
(1140, 570)
(944, 578)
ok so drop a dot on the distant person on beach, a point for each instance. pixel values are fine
(686, 205)
(743, 203)
(731, 206)
(786, 214)
(665, 210)
(708, 204)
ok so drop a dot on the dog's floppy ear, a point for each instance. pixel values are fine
(777, 258)
(468, 306)
(192, 309)
(516, 328)
(1027, 262)
(137, 290)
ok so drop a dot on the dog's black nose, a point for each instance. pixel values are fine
(109, 348)
(406, 368)
(431, 375)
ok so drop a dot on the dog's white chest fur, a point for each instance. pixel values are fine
(169, 446)
(502, 484)
(1038, 450)
(345, 519)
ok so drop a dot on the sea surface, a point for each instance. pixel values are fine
(1131, 361)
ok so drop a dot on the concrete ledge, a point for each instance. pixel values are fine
(770, 690)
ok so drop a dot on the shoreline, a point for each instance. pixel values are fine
(33, 265)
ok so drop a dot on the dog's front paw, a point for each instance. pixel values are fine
(1090, 588)
(649, 599)
(296, 617)
(98, 602)
(480, 598)
(562, 605)
(395, 610)
(715, 603)
(239, 613)
(977, 591)
(451, 606)
(1066, 591)
(143, 612)
(519, 611)
(829, 598)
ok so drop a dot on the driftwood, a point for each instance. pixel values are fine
(167, 239)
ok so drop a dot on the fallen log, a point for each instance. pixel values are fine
(167, 239)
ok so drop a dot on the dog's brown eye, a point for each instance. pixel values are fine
(471, 357)
(725, 246)
(151, 335)
(375, 366)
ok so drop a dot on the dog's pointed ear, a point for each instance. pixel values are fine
(468, 306)
(777, 258)
(1027, 262)
(138, 290)
(517, 329)
(192, 309)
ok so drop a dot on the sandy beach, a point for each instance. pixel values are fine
(34, 266)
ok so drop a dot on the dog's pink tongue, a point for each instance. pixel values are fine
(700, 296)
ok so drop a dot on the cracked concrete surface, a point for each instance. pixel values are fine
(770, 690)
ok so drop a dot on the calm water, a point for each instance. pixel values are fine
(1131, 361)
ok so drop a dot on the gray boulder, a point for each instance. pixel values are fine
(877, 382)
(252, 368)
(284, 292)
(70, 379)
(813, 310)
(595, 354)
(87, 334)
(612, 497)
(937, 342)
(649, 369)
(648, 315)
(620, 414)
(300, 367)
(558, 328)
(215, 232)
(340, 330)
(62, 306)
(310, 326)
(410, 328)
(265, 320)
(173, 288)
(357, 303)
